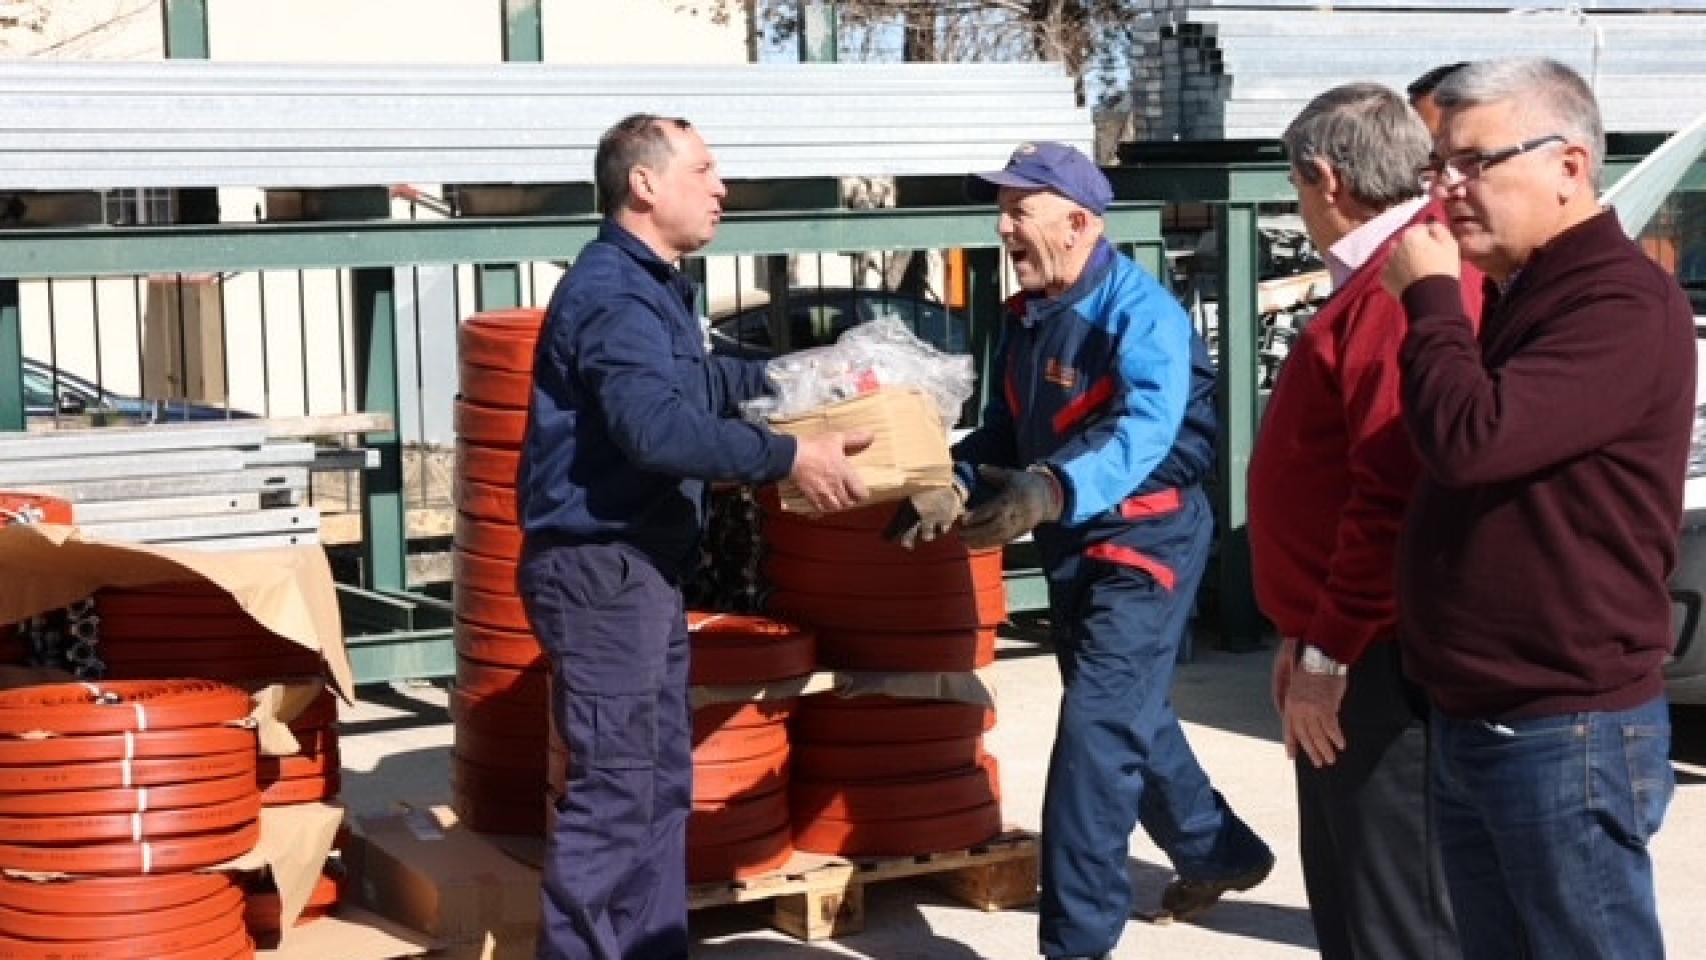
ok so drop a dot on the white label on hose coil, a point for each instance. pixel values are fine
(141, 799)
(124, 771)
(141, 717)
(136, 829)
(129, 744)
(147, 857)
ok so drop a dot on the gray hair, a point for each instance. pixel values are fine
(637, 140)
(1368, 135)
(1550, 98)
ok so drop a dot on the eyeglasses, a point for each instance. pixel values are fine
(1470, 164)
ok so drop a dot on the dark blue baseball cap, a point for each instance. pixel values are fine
(1046, 165)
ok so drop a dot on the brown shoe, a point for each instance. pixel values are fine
(1185, 900)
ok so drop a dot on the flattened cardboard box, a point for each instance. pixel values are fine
(908, 451)
(427, 871)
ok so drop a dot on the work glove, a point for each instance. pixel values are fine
(1023, 499)
(926, 515)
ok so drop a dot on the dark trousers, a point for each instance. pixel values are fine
(1543, 826)
(1120, 756)
(1370, 858)
(615, 872)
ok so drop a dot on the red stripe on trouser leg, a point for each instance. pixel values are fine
(1127, 557)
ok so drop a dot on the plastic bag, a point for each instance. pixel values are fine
(881, 353)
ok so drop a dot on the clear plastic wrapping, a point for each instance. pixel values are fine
(881, 353)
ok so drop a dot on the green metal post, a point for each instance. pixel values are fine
(819, 36)
(383, 520)
(498, 285)
(184, 23)
(1240, 622)
(524, 39)
(983, 307)
(11, 358)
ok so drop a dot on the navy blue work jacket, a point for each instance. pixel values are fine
(629, 416)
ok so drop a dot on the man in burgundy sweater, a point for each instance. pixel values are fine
(1532, 599)
(1329, 480)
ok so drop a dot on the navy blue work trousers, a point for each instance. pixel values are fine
(1120, 605)
(615, 872)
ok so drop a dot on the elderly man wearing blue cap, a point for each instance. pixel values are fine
(1097, 441)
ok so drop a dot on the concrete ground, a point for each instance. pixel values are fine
(396, 746)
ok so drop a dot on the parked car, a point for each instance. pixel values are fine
(818, 315)
(1663, 204)
(51, 393)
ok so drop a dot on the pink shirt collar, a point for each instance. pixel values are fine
(1355, 248)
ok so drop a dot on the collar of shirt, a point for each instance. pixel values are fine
(1355, 248)
(666, 273)
(1038, 307)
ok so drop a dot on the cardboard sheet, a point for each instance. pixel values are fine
(288, 590)
(908, 452)
(976, 686)
(354, 934)
(295, 841)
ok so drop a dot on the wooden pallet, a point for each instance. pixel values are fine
(814, 897)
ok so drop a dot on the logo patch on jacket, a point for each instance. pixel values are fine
(1060, 374)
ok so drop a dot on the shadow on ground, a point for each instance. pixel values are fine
(895, 929)
(1248, 915)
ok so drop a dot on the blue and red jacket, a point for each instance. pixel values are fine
(1111, 387)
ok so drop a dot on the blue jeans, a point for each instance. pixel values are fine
(1543, 826)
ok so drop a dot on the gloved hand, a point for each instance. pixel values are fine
(1024, 498)
(926, 515)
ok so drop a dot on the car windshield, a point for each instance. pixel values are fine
(1662, 203)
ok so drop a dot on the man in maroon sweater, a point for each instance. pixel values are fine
(1532, 569)
(1329, 480)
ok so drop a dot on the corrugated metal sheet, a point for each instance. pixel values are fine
(1244, 73)
(80, 125)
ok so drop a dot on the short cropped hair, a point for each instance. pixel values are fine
(637, 140)
(1552, 98)
(1368, 135)
(1429, 82)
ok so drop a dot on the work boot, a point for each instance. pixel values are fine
(1187, 899)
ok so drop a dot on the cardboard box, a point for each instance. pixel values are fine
(908, 453)
(425, 870)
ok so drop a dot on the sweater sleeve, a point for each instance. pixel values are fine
(1357, 602)
(1576, 384)
(626, 357)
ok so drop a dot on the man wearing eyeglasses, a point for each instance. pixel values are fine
(1329, 479)
(1532, 570)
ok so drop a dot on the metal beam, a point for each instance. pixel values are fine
(524, 39)
(383, 524)
(225, 247)
(11, 358)
(184, 24)
(1240, 622)
(819, 34)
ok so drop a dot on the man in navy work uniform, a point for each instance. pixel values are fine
(629, 420)
(1097, 437)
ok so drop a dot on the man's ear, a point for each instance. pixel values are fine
(1574, 158)
(1079, 220)
(641, 184)
(1326, 178)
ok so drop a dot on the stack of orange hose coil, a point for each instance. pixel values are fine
(263, 910)
(500, 701)
(878, 776)
(881, 776)
(127, 787)
(33, 508)
(195, 629)
(875, 605)
(739, 824)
